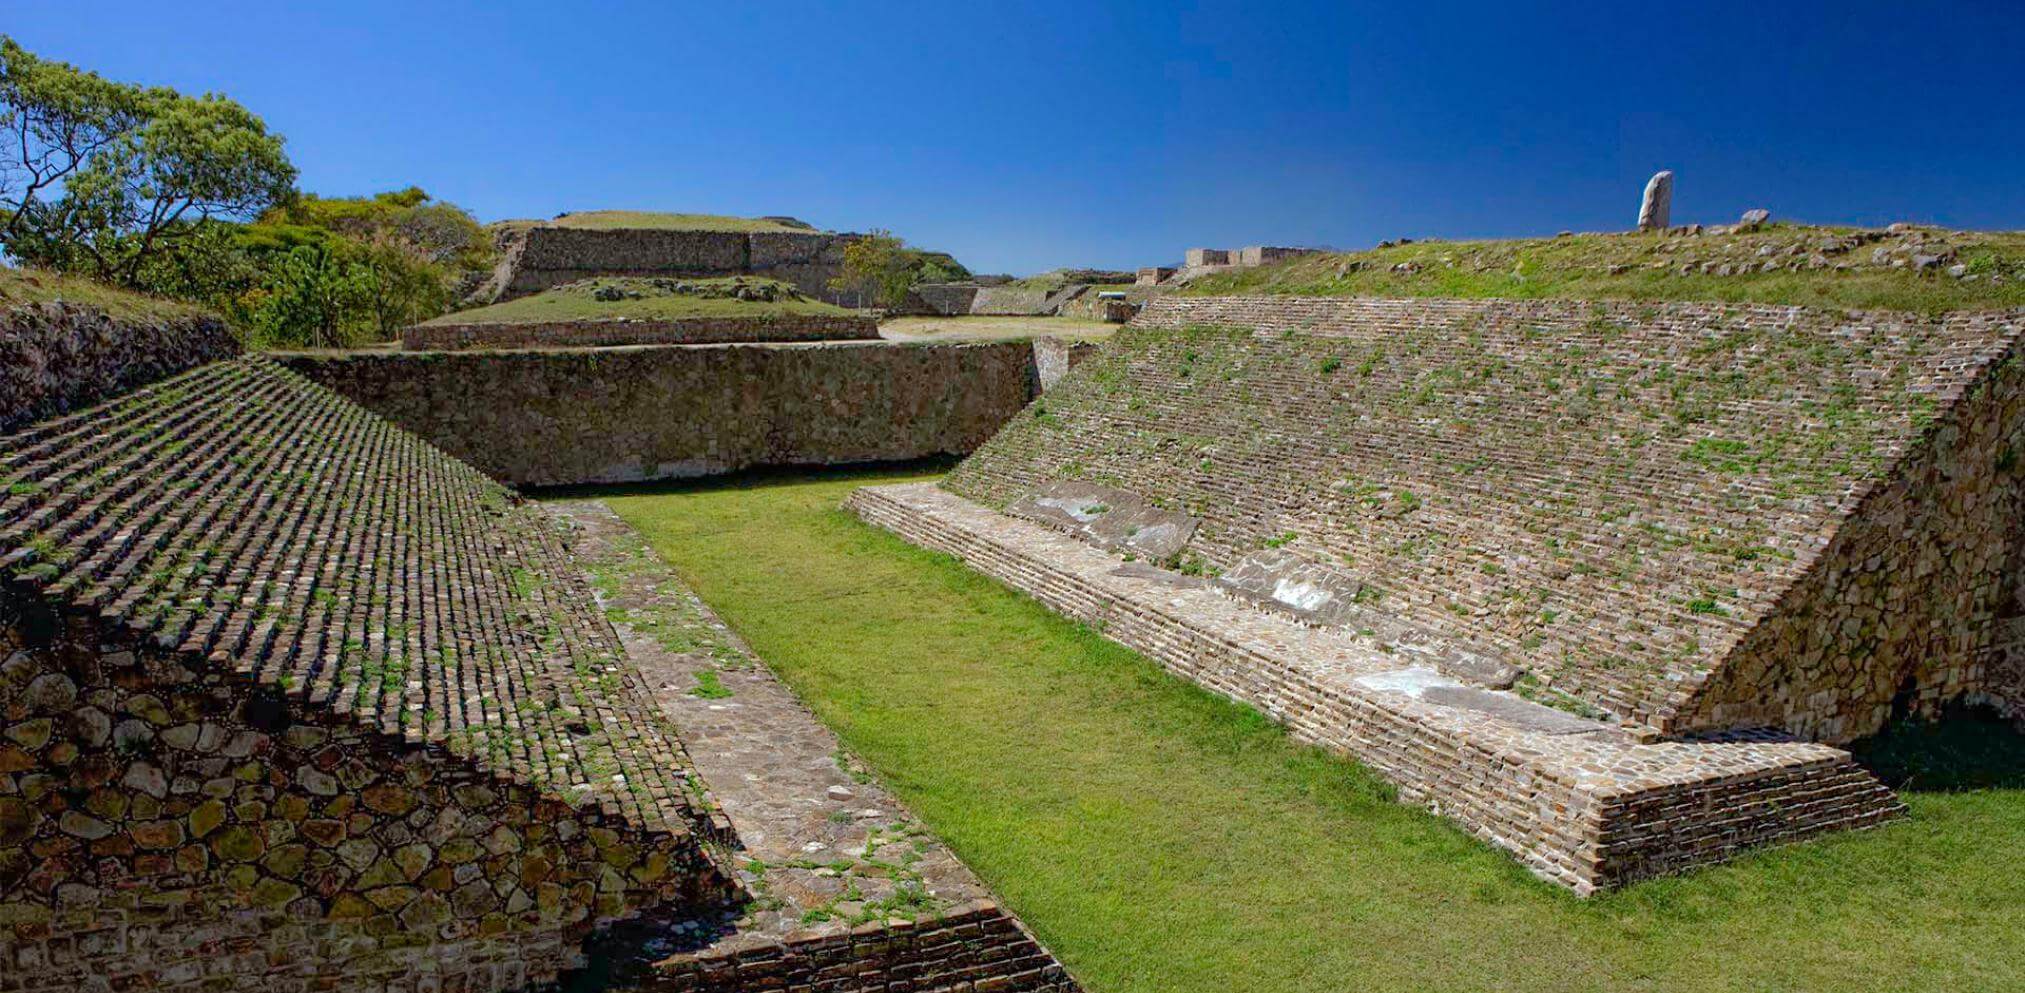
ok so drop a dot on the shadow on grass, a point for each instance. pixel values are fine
(1967, 748)
(751, 479)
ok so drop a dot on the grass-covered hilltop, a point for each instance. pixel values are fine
(648, 220)
(1904, 267)
(618, 298)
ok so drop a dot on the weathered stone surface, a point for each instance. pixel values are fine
(1753, 219)
(612, 333)
(1305, 589)
(567, 416)
(538, 258)
(1655, 207)
(59, 357)
(1110, 517)
(1580, 802)
(49, 693)
(1624, 571)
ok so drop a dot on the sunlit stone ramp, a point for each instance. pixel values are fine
(1603, 582)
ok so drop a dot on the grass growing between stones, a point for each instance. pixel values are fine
(1161, 839)
(1647, 267)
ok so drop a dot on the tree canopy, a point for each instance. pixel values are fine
(193, 198)
(882, 266)
(103, 177)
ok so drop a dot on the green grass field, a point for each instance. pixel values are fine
(1158, 838)
(576, 302)
(1579, 267)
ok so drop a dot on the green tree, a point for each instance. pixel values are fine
(56, 118)
(138, 169)
(882, 267)
(319, 295)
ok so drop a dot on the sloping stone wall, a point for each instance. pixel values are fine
(1609, 496)
(1914, 604)
(946, 299)
(1013, 301)
(607, 333)
(168, 826)
(611, 415)
(56, 358)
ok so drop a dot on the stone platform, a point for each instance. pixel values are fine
(1585, 804)
(846, 890)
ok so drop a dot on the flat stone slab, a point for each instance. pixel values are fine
(1581, 802)
(1111, 518)
(1305, 589)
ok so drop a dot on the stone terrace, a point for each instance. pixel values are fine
(292, 699)
(1581, 802)
(595, 333)
(1690, 516)
(240, 513)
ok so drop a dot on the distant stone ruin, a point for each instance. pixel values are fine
(536, 258)
(1205, 261)
(1605, 582)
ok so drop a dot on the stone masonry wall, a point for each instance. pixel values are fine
(971, 947)
(56, 358)
(1915, 602)
(1608, 495)
(561, 417)
(167, 827)
(543, 257)
(1522, 794)
(606, 333)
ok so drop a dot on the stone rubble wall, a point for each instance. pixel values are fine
(1499, 790)
(544, 257)
(560, 417)
(1609, 496)
(56, 357)
(1919, 599)
(972, 947)
(607, 333)
(166, 826)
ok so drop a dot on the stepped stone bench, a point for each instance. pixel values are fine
(1582, 803)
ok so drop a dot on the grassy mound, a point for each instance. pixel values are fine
(643, 299)
(611, 220)
(26, 286)
(1927, 270)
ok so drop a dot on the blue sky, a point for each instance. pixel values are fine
(1027, 136)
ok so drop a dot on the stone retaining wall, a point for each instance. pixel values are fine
(1586, 810)
(558, 417)
(168, 826)
(974, 947)
(542, 257)
(55, 358)
(607, 333)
